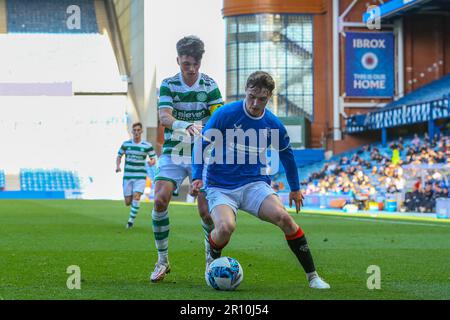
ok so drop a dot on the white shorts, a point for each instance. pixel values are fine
(249, 197)
(131, 186)
(175, 172)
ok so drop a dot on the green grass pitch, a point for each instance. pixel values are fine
(40, 239)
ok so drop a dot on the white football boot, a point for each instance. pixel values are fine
(318, 283)
(160, 272)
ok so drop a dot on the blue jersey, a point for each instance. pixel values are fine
(240, 143)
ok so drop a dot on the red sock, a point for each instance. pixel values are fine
(214, 245)
(296, 235)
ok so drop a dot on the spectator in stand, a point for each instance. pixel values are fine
(426, 138)
(444, 193)
(416, 141)
(344, 161)
(347, 174)
(427, 203)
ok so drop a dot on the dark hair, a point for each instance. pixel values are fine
(137, 124)
(261, 80)
(191, 46)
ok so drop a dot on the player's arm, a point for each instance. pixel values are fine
(168, 120)
(151, 156)
(288, 161)
(119, 158)
(200, 145)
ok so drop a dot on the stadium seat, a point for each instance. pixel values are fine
(2, 180)
(48, 180)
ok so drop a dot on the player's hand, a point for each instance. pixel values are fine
(194, 129)
(118, 169)
(151, 162)
(297, 197)
(195, 187)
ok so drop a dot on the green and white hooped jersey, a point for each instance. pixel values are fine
(135, 156)
(191, 104)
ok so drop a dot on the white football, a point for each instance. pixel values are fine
(224, 273)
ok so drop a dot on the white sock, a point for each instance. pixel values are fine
(310, 276)
(161, 232)
(133, 210)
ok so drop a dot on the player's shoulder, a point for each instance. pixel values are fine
(227, 110)
(207, 80)
(147, 144)
(272, 119)
(126, 143)
(172, 81)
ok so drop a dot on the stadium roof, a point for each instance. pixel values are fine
(396, 8)
(437, 89)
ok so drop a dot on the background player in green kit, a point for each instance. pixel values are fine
(186, 102)
(135, 173)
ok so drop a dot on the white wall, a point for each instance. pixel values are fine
(81, 133)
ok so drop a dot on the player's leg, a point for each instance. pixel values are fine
(223, 205)
(127, 187)
(135, 204)
(160, 223)
(203, 210)
(168, 178)
(206, 220)
(128, 200)
(127, 193)
(273, 211)
(224, 219)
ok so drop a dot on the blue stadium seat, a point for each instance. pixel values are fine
(49, 16)
(48, 180)
(2, 179)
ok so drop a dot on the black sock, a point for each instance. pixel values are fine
(300, 248)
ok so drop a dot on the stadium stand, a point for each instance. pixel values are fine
(428, 103)
(48, 180)
(411, 169)
(437, 89)
(2, 180)
(30, 16)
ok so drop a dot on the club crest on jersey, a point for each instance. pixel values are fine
(202, 97)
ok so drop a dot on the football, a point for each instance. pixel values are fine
(224, 273)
